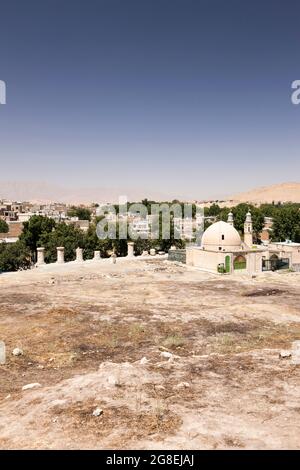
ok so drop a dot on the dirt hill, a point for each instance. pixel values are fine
(285, 192)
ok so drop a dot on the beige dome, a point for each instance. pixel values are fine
(221, 236)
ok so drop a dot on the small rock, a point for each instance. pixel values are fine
(159, 387)
(40, 366)
(97, 412)
(183, 385)
(296, 352)
(285, 354)
(17, 352)
(7, 397)
(296, 345)
(112, 380)
(31, 386)
(166, 354)
(144, 360)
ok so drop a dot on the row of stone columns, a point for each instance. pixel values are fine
(79, 254)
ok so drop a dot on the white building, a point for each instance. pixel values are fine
(222, 250)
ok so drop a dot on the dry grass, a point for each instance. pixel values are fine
(213, 326)
(137, 424)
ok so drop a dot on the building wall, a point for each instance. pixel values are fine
(286, 251)
(15, 230)
(206, 260)
(254, 262)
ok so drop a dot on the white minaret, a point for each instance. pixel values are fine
(230, 218)
(248, 230)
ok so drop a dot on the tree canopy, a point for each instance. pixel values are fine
(33, 231)
(81, 212)
(4, 228)
(14, 256)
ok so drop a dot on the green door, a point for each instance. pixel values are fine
(227, 264)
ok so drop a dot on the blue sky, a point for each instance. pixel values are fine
(187, 96)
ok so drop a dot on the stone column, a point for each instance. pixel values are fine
(40, 256)
(60, 254)
(2, 352)
(97, 255)
(130, 252)
(79, 256)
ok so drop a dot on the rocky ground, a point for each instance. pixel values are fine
(164, 355)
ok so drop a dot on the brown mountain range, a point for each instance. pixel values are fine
(285, 192)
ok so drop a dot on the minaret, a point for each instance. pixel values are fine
(248, 230)
(230, 218)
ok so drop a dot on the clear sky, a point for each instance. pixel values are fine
(177, 95)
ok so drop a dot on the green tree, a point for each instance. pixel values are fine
(93, 243)
(4, 228)
(14, 256)
(34, 229)
(214, 210)
(141, 245)
(68, 236)
(286, 223)
(81, 212)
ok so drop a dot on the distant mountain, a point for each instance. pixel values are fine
(44, 193)
(285, 192)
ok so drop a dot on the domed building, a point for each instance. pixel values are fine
(221, 236)
(222, 249)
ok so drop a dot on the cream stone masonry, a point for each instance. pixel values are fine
(130, 246)
(248, 230)
(60, 254)
(40, 256)
(79, 255)
(2, 353)
(230, 219)
(221, 236)
(222, 250)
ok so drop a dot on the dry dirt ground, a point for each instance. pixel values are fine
(85, 328)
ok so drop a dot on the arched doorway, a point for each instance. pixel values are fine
(239, 262)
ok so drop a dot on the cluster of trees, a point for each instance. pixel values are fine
(14, 256)
(81, 212)
(42, 231)
(287, 223)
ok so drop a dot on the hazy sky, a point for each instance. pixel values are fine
(176, 95)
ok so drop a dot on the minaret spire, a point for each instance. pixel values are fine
(230, 219)
(248, 230)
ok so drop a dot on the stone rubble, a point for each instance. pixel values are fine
(17, 352)
(31, 386)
